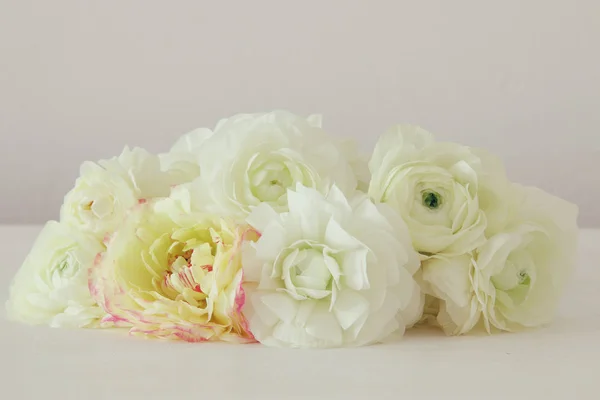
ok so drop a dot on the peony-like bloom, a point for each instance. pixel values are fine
(105, 192)
(51, 288)
(255, 158)
(514, 281)
(448, 194)
(329, 272)
(174, 275)
(181, 162)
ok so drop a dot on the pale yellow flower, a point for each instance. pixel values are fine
(51, 287)
(106, 191)
(174, 275)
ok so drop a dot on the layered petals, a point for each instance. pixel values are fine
(174, 278)
(329, 272)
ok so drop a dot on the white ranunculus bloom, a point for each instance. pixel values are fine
(359, 162)
(52, 285)
(142, 171)
(514, 280)
(448, 194)
(329, 272)
(105, 192)
(255, 158)
(181, 162)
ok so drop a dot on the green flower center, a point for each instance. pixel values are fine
(63, 266)
(524, 278)
(432, 200)
(66, 268)
(269, 180)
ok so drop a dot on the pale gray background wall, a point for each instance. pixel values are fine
(80, 79)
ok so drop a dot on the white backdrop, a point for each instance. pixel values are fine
(80, 79)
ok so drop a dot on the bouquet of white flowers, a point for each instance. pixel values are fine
(267, 229)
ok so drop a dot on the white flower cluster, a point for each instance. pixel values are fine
(267, 229)
(493, 253)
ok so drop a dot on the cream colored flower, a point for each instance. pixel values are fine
(51, 287)
(174, 275)
(329, 272)
(514, 280)
(255, 158)
(448, 194)
(105, 192)
(182, 161)
(359, 162)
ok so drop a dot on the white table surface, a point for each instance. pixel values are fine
(561, 361)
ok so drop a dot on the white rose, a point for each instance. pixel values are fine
(181, 162)
(513, 281)
(329, 272)
(52, 285)
(448, 194)
(105, 192)
(255, 158)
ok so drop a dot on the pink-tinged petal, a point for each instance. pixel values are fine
(176, 299)
(115, 321)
